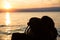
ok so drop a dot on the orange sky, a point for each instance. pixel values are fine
(30, 3)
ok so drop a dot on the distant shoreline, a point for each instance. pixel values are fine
(50, 9)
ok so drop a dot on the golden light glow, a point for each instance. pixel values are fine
(7, 18)
(34, 3)
(6, 5)
(19, 4)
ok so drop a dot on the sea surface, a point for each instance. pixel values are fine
(17, 22)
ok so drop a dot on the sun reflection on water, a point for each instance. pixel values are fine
(7, 22)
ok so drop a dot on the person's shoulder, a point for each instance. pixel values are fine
(19, 36)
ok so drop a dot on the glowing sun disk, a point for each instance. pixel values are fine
(6, 5)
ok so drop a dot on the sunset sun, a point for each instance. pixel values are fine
(6, 5)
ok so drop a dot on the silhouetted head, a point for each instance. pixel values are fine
(49, 26)
(47, 22)
(34, 23)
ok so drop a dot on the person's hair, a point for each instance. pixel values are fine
(34, 21)
(50, 25)
(48, 21)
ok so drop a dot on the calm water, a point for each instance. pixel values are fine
(18, 21)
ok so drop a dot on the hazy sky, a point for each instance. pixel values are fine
(31, 3)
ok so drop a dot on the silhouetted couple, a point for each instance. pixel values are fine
(38, 29)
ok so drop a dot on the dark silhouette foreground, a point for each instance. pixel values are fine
(19, 36)
(38, 29)
(49, 28)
